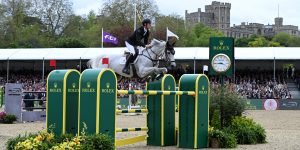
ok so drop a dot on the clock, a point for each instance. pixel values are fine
(221, 63)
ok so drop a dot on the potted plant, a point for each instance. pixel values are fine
(214, 137)
(2, 116)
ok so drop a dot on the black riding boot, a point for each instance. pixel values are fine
(126, 68)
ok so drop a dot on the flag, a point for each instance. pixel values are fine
(205, 68)
(53, 63)
(108, 38)
(171, 34)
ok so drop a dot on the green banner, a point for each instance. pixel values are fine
(254, 104)
(223, 46)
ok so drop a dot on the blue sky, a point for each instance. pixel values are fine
(256, 11)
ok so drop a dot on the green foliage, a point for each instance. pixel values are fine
(200, 35)
(45, 141)
(12, 142)
(225, 139)
(273, 44)
(9, 119)
(216, 119)
(294, 42)
(242, 42)
(98, 142)
(70, 43)
(282, 38)
(247, 131)
(232, 104)
(258, 42)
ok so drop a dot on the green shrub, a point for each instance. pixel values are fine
(247, 131)
(224, 138)
(216, 120)
(70, 43)
(9, 119)
(232, 104)
(98, 142)
(12, 142)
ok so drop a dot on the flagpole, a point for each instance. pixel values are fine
(134, 17)
(102, 37)
(167, 35)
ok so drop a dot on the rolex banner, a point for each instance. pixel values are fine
(221, 56)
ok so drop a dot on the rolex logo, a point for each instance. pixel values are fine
(169, 87)
(88, 84)
(107, 85)
(74, 85)
(55, 85)
(203, 88)
(221, 42)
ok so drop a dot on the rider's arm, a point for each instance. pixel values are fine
(138, 37)
(146, 38)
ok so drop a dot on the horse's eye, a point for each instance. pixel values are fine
(168, 53)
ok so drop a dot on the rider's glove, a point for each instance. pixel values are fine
(148, 46)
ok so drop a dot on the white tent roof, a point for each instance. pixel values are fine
(182, 53)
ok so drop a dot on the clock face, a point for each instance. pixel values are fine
(221, 63)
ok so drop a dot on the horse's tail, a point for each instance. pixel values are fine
(94, 62)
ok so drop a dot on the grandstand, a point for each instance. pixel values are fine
(32, 66)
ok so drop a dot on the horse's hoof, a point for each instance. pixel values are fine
(165, 70)
(159, 76)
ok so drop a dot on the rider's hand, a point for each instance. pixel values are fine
(148, 46)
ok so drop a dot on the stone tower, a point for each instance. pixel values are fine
(221, 14)
(216, 15)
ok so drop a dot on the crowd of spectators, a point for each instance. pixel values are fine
(251, 85)
(248, 84)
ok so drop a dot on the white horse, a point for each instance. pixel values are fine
(146, 63)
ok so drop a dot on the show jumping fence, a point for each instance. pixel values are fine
(89, 100)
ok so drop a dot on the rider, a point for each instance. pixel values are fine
(136, 40)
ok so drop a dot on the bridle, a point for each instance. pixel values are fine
(172, 51)
(156, 57)
(154, 60)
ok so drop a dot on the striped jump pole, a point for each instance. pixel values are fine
(153, 92)
(132, 111)
(131, 129)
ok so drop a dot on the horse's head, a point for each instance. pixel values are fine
(169, 54)
(165, 50)
(158, 46)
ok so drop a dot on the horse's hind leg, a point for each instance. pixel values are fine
(150, 70)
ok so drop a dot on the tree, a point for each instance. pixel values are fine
(294, 42)
(70, 43)
(54, 14)
(121, 12)
(12, 15)
(200, 35)
(74, 26)
(282, 38)
(174, 23)
(242, 42)
(258, 42)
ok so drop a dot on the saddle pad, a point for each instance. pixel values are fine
(123, 60)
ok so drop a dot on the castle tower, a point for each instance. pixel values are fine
(221, 14)
(278, 22)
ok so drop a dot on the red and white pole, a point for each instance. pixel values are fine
(105, 62)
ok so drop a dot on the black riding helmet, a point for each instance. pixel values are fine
(145, 21)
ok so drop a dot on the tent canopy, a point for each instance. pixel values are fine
(182, 53)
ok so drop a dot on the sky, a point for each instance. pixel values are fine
(252, 11)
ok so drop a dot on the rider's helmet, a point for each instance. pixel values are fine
(145, 21)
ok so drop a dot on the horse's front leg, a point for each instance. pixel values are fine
(149, 70)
